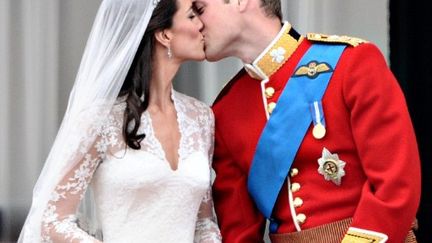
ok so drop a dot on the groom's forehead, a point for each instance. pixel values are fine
(205, 1)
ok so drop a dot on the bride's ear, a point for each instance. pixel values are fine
(164, 37)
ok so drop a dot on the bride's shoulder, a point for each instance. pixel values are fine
(107, 116)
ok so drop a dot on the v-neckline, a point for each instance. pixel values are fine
(160, 148)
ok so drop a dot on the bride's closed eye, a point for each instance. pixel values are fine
(192, 15)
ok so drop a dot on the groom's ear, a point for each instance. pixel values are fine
(242, 4)
(164, 37)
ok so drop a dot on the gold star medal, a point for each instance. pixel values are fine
(317, 112)
(319, 131)
(331, 167)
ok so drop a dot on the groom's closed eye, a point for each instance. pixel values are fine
(198, 7)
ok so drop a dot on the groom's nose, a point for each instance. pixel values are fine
(201, 25)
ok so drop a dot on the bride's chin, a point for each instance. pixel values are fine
(200, 57)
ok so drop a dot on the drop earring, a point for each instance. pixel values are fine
(170, 55)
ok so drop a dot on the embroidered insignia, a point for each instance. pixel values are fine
(313, 69)
(331, 167)
(278, 55)
(353, 41)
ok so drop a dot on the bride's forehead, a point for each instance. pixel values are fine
(187, 2)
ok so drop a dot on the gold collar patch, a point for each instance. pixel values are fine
(276, 54)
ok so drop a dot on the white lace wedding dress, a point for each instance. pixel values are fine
(138, 196)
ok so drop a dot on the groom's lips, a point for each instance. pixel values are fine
(205, 42)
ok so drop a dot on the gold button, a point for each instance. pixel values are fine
(269, 92)
(295, 187)
(294, 172)
(301, 218)
(297, 202)
(271, 107)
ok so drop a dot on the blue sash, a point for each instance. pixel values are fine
(287, 126)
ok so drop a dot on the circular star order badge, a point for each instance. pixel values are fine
(331, 167)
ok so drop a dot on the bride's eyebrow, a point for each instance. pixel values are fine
(191, 8)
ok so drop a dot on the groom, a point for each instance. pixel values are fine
(313, 134)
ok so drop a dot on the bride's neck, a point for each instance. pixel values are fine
(164, 70)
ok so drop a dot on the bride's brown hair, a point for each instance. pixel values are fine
(136, 87)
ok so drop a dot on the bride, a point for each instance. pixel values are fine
(143, 148)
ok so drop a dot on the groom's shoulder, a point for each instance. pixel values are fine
(227, 87)
(335, 39)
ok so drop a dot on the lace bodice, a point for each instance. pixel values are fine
(138, 196)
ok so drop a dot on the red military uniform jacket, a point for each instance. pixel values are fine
(368, 127)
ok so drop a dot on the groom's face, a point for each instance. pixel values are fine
(220, 26)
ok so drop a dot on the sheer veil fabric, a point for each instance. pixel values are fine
(114, 39)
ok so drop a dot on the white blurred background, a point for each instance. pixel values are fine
(41, 43)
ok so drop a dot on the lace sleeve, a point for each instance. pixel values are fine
(207, 230)
(59, 221)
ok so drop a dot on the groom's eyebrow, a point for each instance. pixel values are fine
(194, 7)
(194, 3)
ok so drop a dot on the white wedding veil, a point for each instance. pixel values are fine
(113, 42)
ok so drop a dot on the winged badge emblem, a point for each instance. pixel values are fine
(313, 69)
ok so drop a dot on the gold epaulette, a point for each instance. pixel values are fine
(352, 41)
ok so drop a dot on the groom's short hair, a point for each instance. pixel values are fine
(271, 7)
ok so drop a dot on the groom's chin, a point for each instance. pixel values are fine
(211, 58)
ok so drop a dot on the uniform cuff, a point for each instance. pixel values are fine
(356, 235)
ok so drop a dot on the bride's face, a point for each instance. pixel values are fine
(187, 41)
